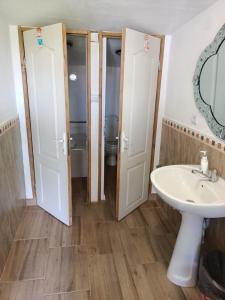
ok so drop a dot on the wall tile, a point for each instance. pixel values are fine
(12, 188)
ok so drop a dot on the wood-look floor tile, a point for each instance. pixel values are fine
(79, 208)
(137, 246)
(34, 225)
(84, 295)
(96, 258)
(151, 283)
(191, 293)
(142, 283)
(22, 290)
(125, 278)
(161, 247)
(33, 208)
(88, 231)
(135, 219)
(114, 230)
(103, 238)
(98, 212)
(27, 260)
(61, 235)
(171, 237)
(152, 219)
(101, 212)
(151, 203)
(161, 287)
(67, 270)
(104, 279)
(170, 218)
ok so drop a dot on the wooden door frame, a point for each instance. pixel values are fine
(157, 99)
(120, 123)
(86, 33)
(101, 35)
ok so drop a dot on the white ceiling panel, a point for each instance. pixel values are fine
(153, 16)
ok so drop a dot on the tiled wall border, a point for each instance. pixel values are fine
(195, 134)
(4, 127)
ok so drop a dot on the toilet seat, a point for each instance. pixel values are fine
(111, 146)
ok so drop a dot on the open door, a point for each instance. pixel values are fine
(139, 70)
(46, 66)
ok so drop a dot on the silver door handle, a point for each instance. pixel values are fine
(60, 140)
(124, 142)
(63, 140)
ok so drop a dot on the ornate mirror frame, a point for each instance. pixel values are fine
(204, 108)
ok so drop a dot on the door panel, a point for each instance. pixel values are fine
(140, 73)
(135, 184)
(45, 67)
(43, 63)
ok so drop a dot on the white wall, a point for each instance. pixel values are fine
(7, 93)
(186, 45)
(17, 77)
(112, 90)
(94, 115)
(78, 112)
(77, 93)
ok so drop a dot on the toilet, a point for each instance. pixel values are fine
(111, 140)
(111, 146)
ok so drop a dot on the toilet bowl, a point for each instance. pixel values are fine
(111, 152)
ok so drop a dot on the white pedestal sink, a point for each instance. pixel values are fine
(196, 199)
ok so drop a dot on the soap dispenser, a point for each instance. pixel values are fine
(204, 162)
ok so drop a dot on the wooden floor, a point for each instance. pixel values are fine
(97, 258)
(110, 187)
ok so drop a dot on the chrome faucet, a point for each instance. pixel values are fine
(211, 175)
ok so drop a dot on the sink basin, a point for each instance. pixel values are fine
(196, 198)
(189, 192)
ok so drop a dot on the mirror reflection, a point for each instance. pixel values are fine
(212, 84)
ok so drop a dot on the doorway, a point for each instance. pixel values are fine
(47, 98)
(111, 63)
(46, 56)
(127, 187)
(78, 85)
(126, 125)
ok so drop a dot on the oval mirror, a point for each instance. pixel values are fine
(209, 84)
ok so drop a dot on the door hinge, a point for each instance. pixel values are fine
(23, 65)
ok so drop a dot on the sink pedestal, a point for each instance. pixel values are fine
(183, 266)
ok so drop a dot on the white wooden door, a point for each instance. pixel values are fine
(140, 55)
(46, 76)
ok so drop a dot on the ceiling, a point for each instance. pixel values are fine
(151, 16)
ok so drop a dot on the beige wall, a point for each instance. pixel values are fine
(12, 189)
